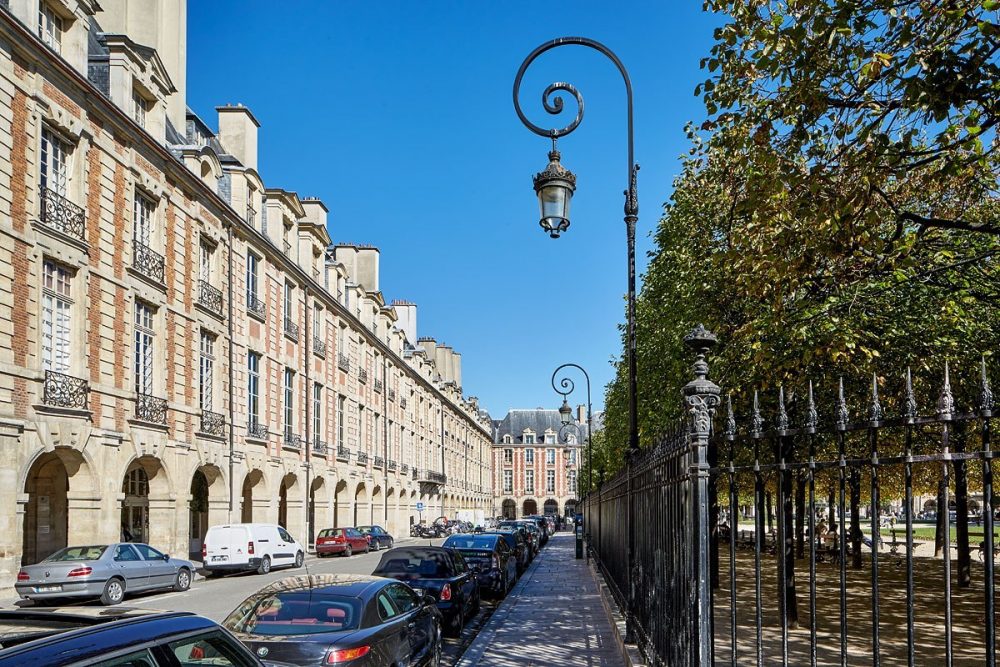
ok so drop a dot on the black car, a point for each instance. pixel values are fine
(339, 618)
(530, 531)
(518, 543)
(378, 537)
(544, 526)
(142, 641)
(440, 573)
(494, 562)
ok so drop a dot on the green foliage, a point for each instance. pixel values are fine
(820, 225)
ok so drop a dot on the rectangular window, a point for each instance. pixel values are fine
(529, 438)
(388, 440)
(206, 374)
(572, 457)
(508, 456)
(529, 481)
(362, 445)
(550, 481)
(341, 406)
(252, 263)
(571, 483)
(253, 388)
(139, 108)
(550, 439)
(56, 312)
(142, 219)
(50, 27)
(54, 172)
(508, 481)
(289, 402)
(318, 321)
(289, 300)
(317, 411)
(550, 457)
(529, 456)
(205, 251)
(251, 205)
(143, 369)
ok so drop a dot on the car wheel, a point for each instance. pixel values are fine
(299, 559)
(376, 544)
(265, 565)
(183, 580)
(391, 542)
(114, 592)
(348, 551)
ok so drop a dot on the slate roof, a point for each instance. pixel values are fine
(538, 420)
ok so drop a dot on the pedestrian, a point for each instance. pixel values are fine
(126, 534)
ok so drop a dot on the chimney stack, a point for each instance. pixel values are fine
(238, 133)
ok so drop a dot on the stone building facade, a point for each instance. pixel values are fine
(182, 345)
(536, 462)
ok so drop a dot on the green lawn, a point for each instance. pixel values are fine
(926, 532)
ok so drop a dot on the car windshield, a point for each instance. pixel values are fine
(331, 532)
(365, 529)
(477, 542)
(77, 553)
(295, 613)
(414, 563)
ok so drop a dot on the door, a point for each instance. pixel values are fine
(468, 583)
(356, 539)
(161, 573)
(287, 546)
(415, 619)
(131, 567)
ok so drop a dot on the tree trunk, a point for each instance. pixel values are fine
(942, 519)
(855, 484)
(830, 500)
(800, 516)
(786, 551)
(962, 511)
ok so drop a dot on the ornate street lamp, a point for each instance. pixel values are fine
(565, 412)
(554, 194)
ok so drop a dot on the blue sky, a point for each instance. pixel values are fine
(399, 116)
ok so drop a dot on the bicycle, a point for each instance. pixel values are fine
(981, 552)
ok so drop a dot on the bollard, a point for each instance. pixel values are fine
(579, 540)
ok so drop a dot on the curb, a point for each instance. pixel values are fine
(630, 652)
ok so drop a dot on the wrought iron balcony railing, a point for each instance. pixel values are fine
(147, 261)
(391, 465)
(319, 447)
(392, 394)
(256, 430)
(291, 329)
(343, 453)
(362, 458)
(293, 441)
(213, 423)
(209, 297)
(150, 409)
(362, 375)
(343, 363)
(432, 477)
(378, 386)
(319, 347)
(405, 469)
(256, 307)
(62, 215)
(379, 462)
(65, 391)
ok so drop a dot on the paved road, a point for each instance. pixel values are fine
(216, 597)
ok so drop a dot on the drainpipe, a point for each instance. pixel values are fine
(232, 372)
(441, 434)
(385, 439)
(308, 430)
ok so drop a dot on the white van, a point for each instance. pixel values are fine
(250, 546)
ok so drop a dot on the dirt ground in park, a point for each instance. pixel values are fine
(968, 615)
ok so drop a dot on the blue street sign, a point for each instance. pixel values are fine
(420, 507)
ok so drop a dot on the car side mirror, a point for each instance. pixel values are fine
(166, 557)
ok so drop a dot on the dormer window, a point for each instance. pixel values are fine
(140, 107)
(50, 26)
(507, 439)
(528, 438)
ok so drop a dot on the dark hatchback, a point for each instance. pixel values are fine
(518, 543)
(377, 537)
(440, 573)
(493, 561)
(339, 618)
(150, 640)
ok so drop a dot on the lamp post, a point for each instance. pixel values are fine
(564, 388)
(555, 186)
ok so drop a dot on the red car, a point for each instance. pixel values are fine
(344, 541)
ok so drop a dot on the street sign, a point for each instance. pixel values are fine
(420, 507)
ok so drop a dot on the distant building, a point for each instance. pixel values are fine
(536, 462)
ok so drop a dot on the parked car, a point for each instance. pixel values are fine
(378, 538)
(531, 528)
(142, 641)
(106, 571)
(344, 541)
(494, 562)
(339, 618)
(26, 624)
(250, 546)
(440, 573)
(545, 529)
(518, 543)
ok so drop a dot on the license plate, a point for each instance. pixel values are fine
(218, 558)
(47, 589)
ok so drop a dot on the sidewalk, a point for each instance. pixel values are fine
(552, 617)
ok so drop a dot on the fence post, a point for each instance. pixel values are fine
(701, 397)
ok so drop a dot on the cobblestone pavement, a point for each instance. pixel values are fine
(552, 617)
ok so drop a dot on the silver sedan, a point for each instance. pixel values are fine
(106, 571)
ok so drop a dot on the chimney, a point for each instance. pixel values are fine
(581, 414)
(456, 368)
(238, 133)
(406, 319)
(443, 361)
(315, 210)
(368, 267)
(429, 346)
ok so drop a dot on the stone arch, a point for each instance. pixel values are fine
(319, 507)
(570, 507)
(508, 509)
(362, 505)
(392, 509)
(208, 505)
(378, 506)
(148, 504)
(62, 504)
(255, 500)
(529, 507)
(342, 504)
(551, 507)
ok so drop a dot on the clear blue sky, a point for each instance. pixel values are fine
(399, 116)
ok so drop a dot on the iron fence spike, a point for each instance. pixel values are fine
(946, 401)
(986, 401)
(782, 413)
(812, 415)
(911, 399)
(875, 412)
(756, 421)
(730, 416)
(843, 416)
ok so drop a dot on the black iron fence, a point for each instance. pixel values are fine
(794, 535)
